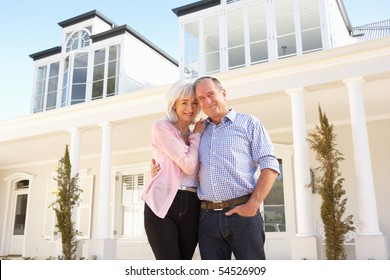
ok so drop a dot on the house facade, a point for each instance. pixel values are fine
(277, 61)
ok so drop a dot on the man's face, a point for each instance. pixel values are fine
(211, 100)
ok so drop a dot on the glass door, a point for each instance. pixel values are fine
(19, 223)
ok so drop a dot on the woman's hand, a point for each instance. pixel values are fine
(154, 168)
(199, 126)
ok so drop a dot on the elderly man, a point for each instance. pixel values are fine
(232, 147)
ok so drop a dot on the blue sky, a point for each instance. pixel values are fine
(30, 26)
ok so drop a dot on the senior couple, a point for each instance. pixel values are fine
(204, 187)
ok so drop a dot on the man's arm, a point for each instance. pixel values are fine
(263, 187)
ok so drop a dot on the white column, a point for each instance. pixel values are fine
(74, 153)
(305, 225)
(103, 205)
(368, 216)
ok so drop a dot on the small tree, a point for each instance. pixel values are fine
(68, 194)
(330, 187)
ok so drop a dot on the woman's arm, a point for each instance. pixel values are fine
(166, 139)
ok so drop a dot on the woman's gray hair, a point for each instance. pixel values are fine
(181, 89)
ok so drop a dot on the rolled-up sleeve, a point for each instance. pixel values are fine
(263, 150)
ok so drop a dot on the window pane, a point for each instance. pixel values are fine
(237, 57)
(111, 86)
(258, 32)
(51, 99)
(259, 52)
(100, 56)
(236, 40)
(79, 78)
(38, 103)
(285, 28)
(235, 23)
(20, 214)
(53, 84)
(310, 25)
(97, 90)
(40, 89)
(113, 52)
(80, 75)
(132, 205)
(112, 69)
(211, 44)
(64, 97)
(274, 210)
(311, 40)
(81, 60)
(287, 48)
(98, 72)
(78, 92)
(191, 49)
(85, 39)
(73, 42)
(23, 184)
(212, 62)
(41, 73)
(54, 69)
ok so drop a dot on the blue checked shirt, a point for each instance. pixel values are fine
(230, 154)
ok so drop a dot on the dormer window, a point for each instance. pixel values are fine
(78, 39)
(246, 33)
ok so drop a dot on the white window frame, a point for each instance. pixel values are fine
(116, 197)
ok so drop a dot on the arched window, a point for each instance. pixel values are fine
(22, 184)
(78, 39)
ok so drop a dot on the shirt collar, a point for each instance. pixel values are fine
(230, 116)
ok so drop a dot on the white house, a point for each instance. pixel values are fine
(278, 60)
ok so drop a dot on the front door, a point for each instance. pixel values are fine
(19, 221)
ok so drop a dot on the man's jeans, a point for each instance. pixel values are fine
(220, 236)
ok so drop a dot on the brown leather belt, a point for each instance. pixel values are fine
(220, 205)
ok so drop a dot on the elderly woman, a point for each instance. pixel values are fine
(171, 204)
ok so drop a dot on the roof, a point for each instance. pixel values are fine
(194, 7)
(86, 16)
(344, 14)
(127, 29)
(372, 31)
(45, 53)
(114, 31)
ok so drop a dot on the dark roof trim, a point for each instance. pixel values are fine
(85, 17)
(127, 29)
(340, 4)
(195, 7)
(45, 53)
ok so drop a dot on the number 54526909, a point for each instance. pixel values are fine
(238, 270)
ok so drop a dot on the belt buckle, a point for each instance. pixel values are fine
(217, 206)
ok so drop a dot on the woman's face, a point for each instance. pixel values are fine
(186, 109)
